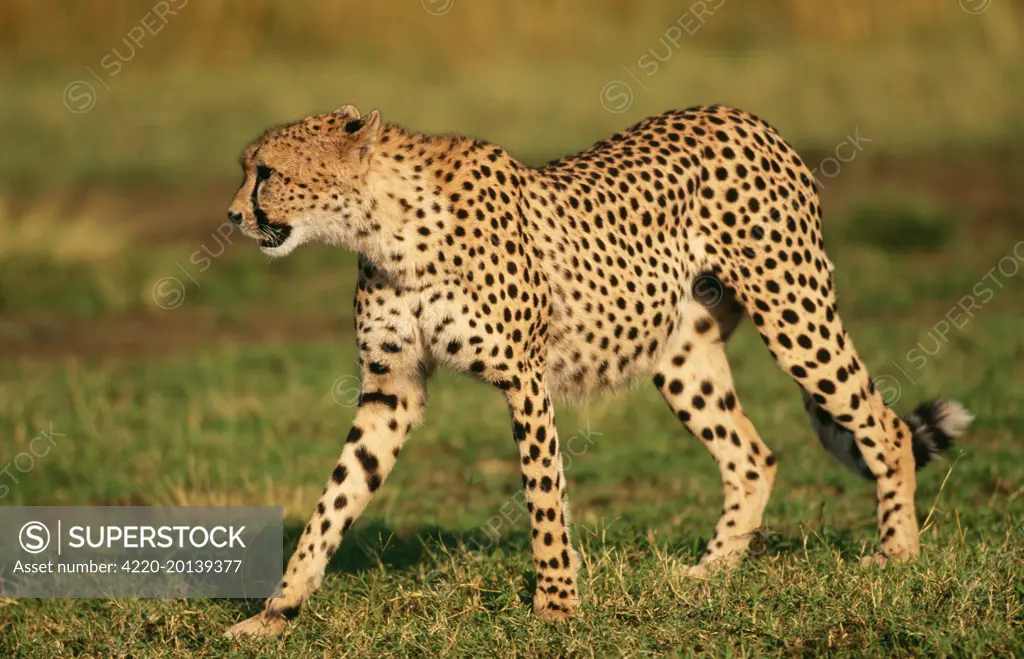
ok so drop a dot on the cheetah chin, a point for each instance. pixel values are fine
(281, 239)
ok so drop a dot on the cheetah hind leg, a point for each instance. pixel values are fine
(695, 380)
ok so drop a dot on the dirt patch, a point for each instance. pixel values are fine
(48, 336)
(151, 214)
(977, 186)
(929, 312)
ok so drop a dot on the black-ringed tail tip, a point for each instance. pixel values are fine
(935, 424)
(933, 427)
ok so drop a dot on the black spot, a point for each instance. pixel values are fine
(367, 459)
(378, 397)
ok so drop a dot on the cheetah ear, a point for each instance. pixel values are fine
(347, 113)
(365, 132)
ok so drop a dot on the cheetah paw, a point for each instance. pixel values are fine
(260, 625)
(880, 560)
(552, 611)
(698, 571)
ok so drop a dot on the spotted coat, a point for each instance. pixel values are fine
(633, 259)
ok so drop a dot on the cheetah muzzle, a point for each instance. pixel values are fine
(635, 258)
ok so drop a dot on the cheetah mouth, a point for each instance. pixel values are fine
(274, 235)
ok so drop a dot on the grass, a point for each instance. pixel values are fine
(898, 223)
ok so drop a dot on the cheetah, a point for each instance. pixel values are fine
(634, 258)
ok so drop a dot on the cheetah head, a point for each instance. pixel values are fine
(308, 181)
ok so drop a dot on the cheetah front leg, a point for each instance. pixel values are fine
(391, 401)
(387, 409)
(554, 559)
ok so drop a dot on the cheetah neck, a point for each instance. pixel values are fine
(422, 195)
(399, 201)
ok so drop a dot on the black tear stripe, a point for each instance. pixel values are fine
(262, 174)
(390, 400)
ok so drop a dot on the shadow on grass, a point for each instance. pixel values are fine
(768, 542)
(373, 545)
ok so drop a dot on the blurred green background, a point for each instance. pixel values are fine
(172, 90)
(183, 368)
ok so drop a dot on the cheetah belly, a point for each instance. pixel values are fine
(596, 345)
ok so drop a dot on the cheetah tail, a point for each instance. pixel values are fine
(934, 425)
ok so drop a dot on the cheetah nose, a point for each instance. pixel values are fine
(235, 218)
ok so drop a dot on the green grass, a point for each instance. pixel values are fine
(258, 424)
(898, 223)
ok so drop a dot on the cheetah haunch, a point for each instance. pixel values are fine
(635, 258)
